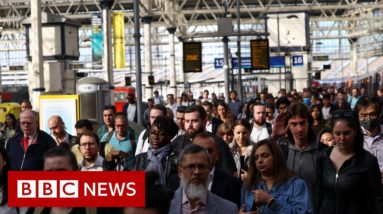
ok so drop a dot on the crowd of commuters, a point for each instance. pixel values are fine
(315, 151)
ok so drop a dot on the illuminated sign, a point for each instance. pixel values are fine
(192, 58)
(260, 54)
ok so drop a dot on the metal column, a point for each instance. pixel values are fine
(146, 20)
(239, 85)
(107, 34)
(36, 75)
(172, 59)
(136, 9)
(226, 67)
(107, 60)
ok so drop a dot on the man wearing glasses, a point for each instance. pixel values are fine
(368, 112)
(121, 144)
(193, 195)
(26, 148)
(89, 145)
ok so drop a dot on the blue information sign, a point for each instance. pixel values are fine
(245, 61)
(297, 60)
(277, 61)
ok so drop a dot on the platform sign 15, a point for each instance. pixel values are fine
(218, 63)
(297, 60)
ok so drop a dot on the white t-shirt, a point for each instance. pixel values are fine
(259, 133)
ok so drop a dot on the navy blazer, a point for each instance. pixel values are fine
(227, 186)
(214, 204)
(33, 159)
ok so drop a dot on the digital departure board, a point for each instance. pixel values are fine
(192, 58)
(260, 54)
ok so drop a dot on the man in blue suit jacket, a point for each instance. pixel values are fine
(26, 149)
(193, 195)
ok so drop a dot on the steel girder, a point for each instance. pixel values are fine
(346, 19)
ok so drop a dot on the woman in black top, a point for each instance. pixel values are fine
(348, 176)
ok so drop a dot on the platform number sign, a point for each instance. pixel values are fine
(218, 63)
(297, 60)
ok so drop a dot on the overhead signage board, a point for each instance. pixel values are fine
(192, 58)
(245, 62)
(297, 60)
(260, 54)
(321, 58)
(277, 61)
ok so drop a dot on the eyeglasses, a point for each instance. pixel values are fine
(120, 126)
(84, 145)
(262, 156)
(25, 123)
(371, 115)
(343, 114)
(193, 167)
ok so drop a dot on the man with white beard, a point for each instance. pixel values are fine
(193, 195)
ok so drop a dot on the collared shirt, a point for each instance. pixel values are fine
(209, 126)
(96, 166)
(259, 133)
(102, 130)
(124, 144)
(374, 145)
(199, 209)
(61, 140)
(326, 112)
(131, 112)
(32, 139)
(211, 174)
(173, 107)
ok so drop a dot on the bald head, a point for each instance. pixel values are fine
(57, 126)
(28, 122)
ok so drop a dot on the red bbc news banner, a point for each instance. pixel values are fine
(76, 189)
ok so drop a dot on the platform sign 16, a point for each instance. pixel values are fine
(297, 60)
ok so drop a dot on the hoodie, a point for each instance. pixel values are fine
(302, 162)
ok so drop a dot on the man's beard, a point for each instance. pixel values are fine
(260, 122)
(194, 191)
(193, 132)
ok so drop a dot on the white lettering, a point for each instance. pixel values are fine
(116, 188)
(131, 189)
(91, 190)
(26, 188)
(102, 189)
(69, 189)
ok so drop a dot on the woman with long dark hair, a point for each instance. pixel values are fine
(9, 128)
(241, 146)
(224, 113)
(319, 122)
(348, 176)
(4, 168)
(270, 187)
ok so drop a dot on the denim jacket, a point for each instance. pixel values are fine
(290, 197)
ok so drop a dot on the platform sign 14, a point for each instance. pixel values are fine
(297, 60)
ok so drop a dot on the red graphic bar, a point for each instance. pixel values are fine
(76, 189)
